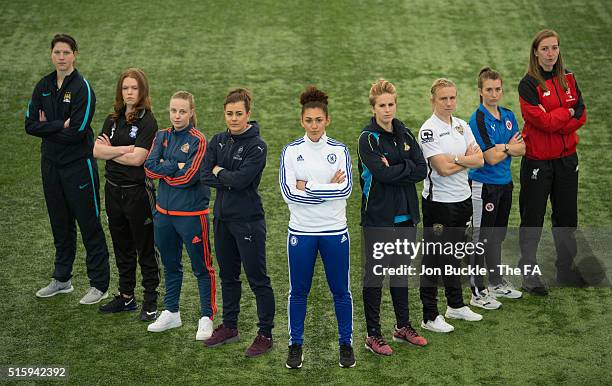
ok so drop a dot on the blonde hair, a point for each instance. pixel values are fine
(441, 83)
(381, 86)
(189, 98)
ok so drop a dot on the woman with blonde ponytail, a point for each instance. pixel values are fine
(182, 213)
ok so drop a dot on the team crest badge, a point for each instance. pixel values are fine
(427, 136)
(508, 125)
(489, 207)
(238, 155)
(331, 158)
(185, 148)
(293, 241)
(67, 97)
(133, 131)
(459, 129)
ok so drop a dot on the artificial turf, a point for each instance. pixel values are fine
(276, 49)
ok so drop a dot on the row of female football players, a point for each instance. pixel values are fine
(465, 168)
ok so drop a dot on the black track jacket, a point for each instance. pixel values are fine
(389, 191)
(75, 100)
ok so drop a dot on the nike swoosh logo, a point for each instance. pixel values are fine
(46, 93)
(151, 313)
(128, 303)
(83, 186)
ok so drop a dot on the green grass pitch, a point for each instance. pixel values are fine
(276, 49)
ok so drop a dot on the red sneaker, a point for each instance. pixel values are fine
(378, 345)
(222, 335)
(260, 345)
(408, 334)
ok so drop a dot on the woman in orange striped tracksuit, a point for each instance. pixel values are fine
(182, 213)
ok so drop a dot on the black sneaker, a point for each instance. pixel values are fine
(149, 312)
(537, 291)
(571, 278)
(295, 357)
(347, 356)
(533, 285)
(119, 304)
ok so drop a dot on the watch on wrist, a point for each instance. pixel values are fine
(506, 148)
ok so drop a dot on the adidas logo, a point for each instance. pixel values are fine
(196, 240)
(344, 238)
(300, 158)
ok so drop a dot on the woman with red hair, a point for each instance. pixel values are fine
(124, 143)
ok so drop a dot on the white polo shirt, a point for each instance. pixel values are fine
(438, 137)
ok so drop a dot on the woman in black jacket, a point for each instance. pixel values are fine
(390, 164)
(60, 113)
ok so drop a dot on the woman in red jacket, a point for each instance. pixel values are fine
(553, 110)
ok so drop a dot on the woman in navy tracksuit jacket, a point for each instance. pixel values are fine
(233, 165)
(182, 207)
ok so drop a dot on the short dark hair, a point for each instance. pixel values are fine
(64, 38)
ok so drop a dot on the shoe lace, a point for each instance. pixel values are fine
(345, 350)
(294, 350)
(380, 340)
(409, 330)
(507, 284)
(116, 299)
(261, 339)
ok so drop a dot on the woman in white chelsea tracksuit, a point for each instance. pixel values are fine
(315, 180)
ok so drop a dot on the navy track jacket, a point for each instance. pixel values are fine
(180, 191)
(243, 159)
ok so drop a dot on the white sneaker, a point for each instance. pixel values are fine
(93, 296)
(484, 300)
(437, 325)
(54, 288)
(505, 290)
(205, 328)
(462, 313)
(165, 321)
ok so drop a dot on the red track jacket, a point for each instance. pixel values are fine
(551, 133)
